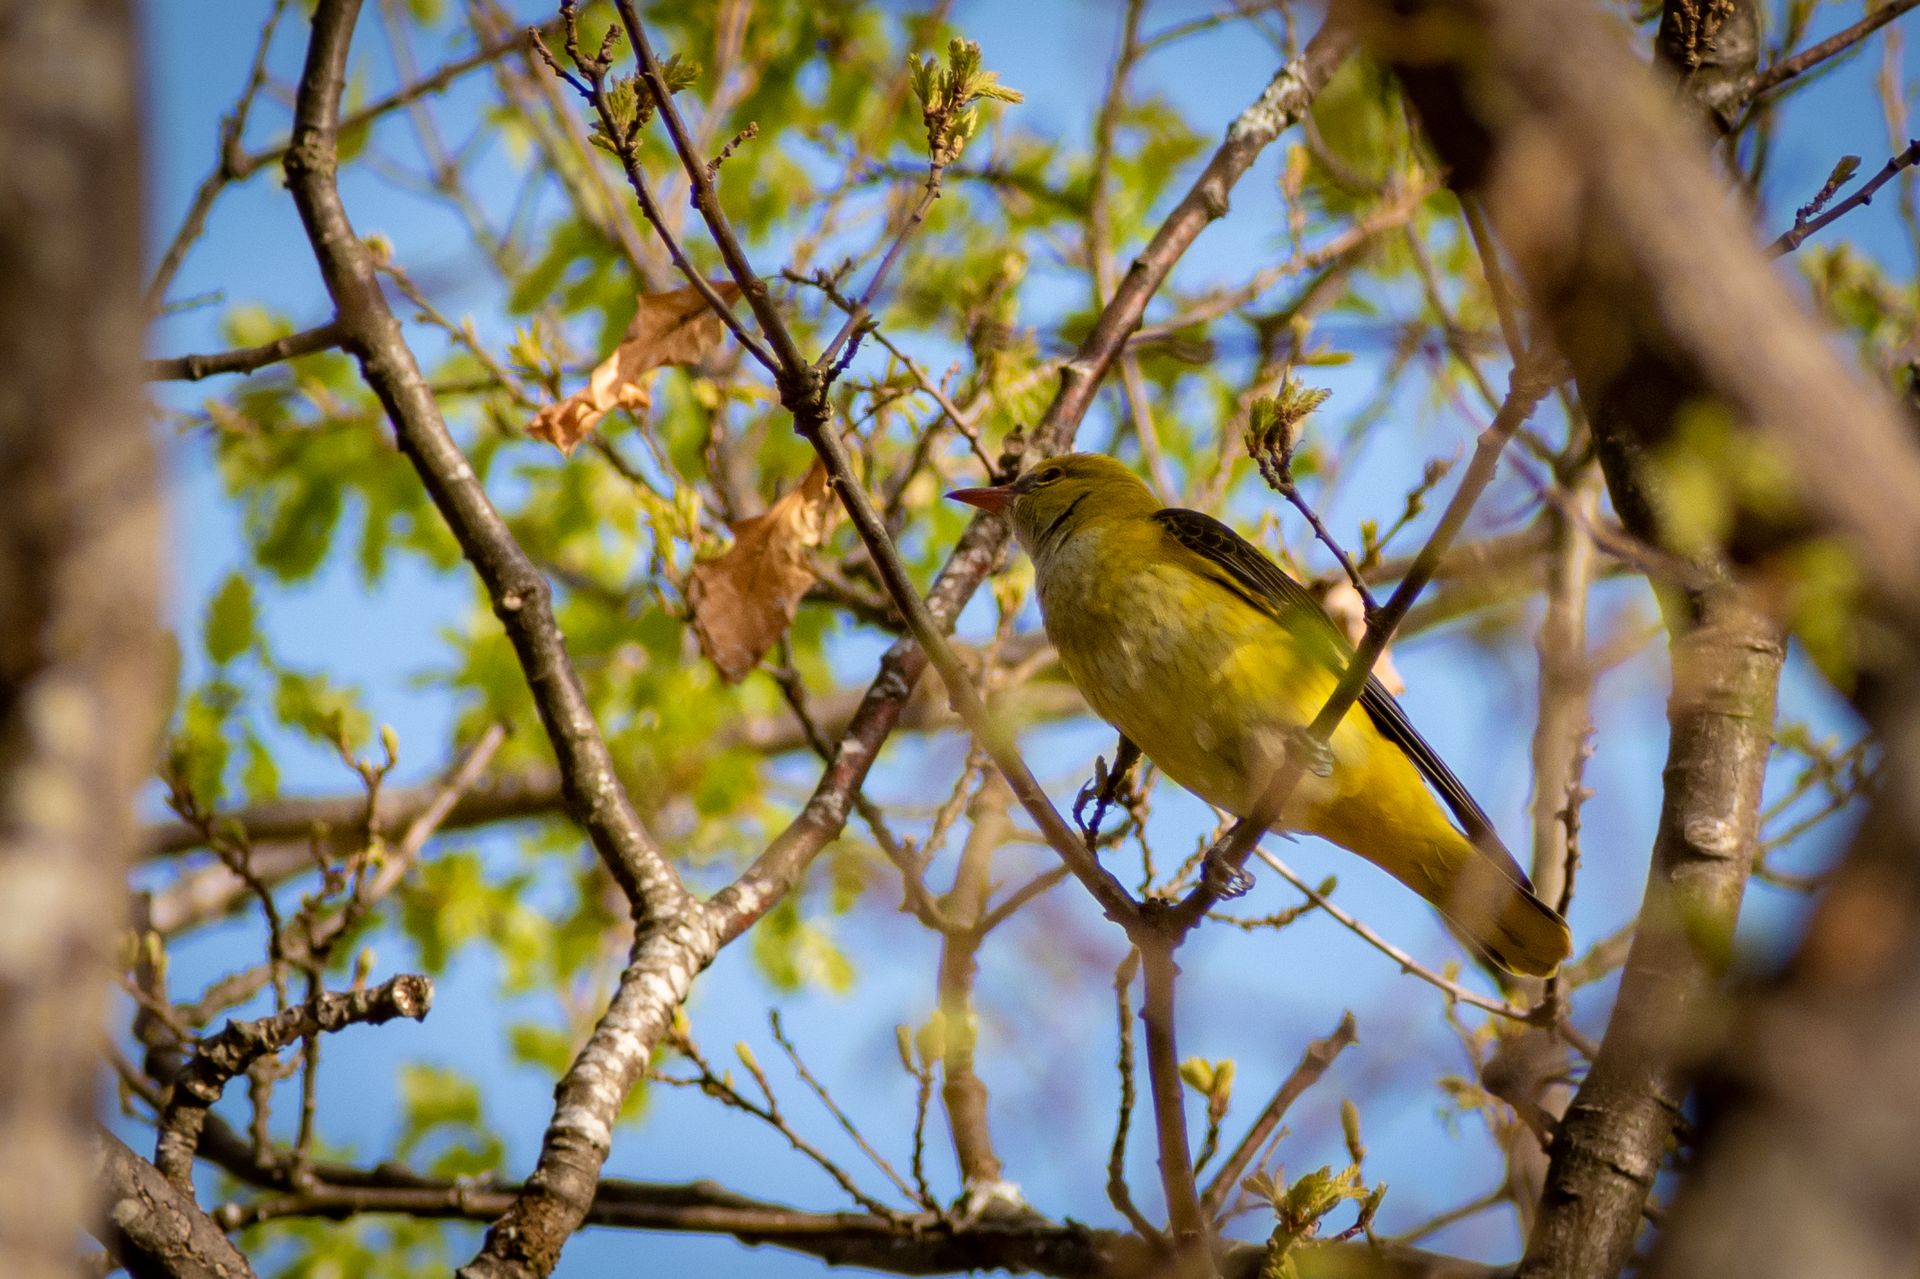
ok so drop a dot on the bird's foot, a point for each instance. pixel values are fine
(1222, 878)
(1314, 755)
(1089, 793)
(1108, 787)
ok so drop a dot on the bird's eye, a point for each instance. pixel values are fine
(1048, 475)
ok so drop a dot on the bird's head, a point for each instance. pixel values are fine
(1063, 495)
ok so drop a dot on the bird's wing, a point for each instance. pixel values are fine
(1250, 574)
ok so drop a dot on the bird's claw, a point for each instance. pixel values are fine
(1093, 790)
(1223, 879)
(1314, 755)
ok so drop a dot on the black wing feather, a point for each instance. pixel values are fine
(1261, 582)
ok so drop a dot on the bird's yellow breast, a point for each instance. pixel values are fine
(1211, 689)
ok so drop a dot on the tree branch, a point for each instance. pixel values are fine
(528, 1238)
(153, 1227)
(1639, 229)
(962, 1093)
(1804, 1161)
(1813, 55)
(220, 1057)
(901, 1246)
(1282, 103)
(520, 594)
(1804, 226)
(1644, 235)
(674, 937)
(1189, 1226)
(1616, 1132)
(191, 368)
(1313, 1064)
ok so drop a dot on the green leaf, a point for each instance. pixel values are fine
(260, 774)
(232, 620)
(432, 1098)
(546, 1048)
(319, 709)
(795, 952)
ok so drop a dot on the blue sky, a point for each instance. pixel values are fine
(1047, 1050)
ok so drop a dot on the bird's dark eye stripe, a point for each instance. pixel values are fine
(1047, 533)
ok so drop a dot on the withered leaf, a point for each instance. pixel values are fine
(744, 600)
(677, 327)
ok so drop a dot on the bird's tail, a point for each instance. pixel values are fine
(1486, 896)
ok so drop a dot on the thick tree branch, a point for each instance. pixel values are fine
(1804, 1163)
(154, 1228)
(240, 1043)
(674, 939)
(1617, 1130)
(1017, 1244)
(1654, 289)
(521, 595)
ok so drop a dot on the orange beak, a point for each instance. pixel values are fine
(996, 500)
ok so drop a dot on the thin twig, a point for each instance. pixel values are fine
(1117, 1192)
(1803, 227)
(229, 166)
(840, 1116)
(1414, 968)
(1813, 55)
(1313, 1063)
(786, 354)
(191, 368)
(594, 91)
(719, 1087)
(1440, 1221)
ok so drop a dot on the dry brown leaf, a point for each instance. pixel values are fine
(668, 328)
(745, 599)
(1349, 613)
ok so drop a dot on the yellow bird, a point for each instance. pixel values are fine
(1210, 659)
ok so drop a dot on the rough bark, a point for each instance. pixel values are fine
(1647, 276)
(79, 581)
(1713, 46)
(241, 1043)
(152, 1227)
(1617, 1130)
(1806, 1162)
